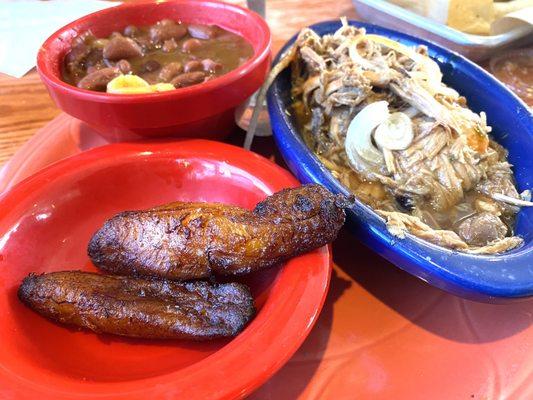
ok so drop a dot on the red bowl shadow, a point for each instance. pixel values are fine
(45, 224)
(205, 110)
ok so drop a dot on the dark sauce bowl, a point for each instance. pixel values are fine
(495, 278)
(204, 110)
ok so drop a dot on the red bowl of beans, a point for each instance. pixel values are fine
(209, 83)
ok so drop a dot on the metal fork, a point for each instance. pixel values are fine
(257, 5)
(244, 112)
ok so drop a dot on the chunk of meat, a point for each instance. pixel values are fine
(314, 61)
(151, 309)
(482, 229)
(121, 47)
(378, 79)
(499, 180)
(197, 240)
(436, 168)
(398, 224)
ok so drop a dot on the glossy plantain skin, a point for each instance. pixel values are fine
(141, 308)
(182, 241)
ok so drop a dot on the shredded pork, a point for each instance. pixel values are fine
(451, 170)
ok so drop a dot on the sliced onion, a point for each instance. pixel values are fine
(395, 133)
(359, 136)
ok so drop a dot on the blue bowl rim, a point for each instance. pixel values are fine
(409, 248)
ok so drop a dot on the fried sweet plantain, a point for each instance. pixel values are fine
(142, 308)
(182, 241)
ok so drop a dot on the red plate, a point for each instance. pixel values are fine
(382, 333)
(45, 224)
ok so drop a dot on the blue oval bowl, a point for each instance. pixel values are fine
(495, 279)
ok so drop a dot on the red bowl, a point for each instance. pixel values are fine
(204, 110)
(45, 224)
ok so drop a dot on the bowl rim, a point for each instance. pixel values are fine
(282, 334)
(308, 167)
(47, 74)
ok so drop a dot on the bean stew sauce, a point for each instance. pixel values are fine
(153, 58)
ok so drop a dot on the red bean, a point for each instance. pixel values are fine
(164, 30)
(124, 66)
(93, 68)
(203, 31)
(169, 45)
(210, 65)
(150, 66)
(188, 79)
(166, 22)
(169, 71)
(193, 65)
(144, 42)
(94, 58)
(191, 45)
(79, 51)
(131, 30)
(121, 47)
(98, 79)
